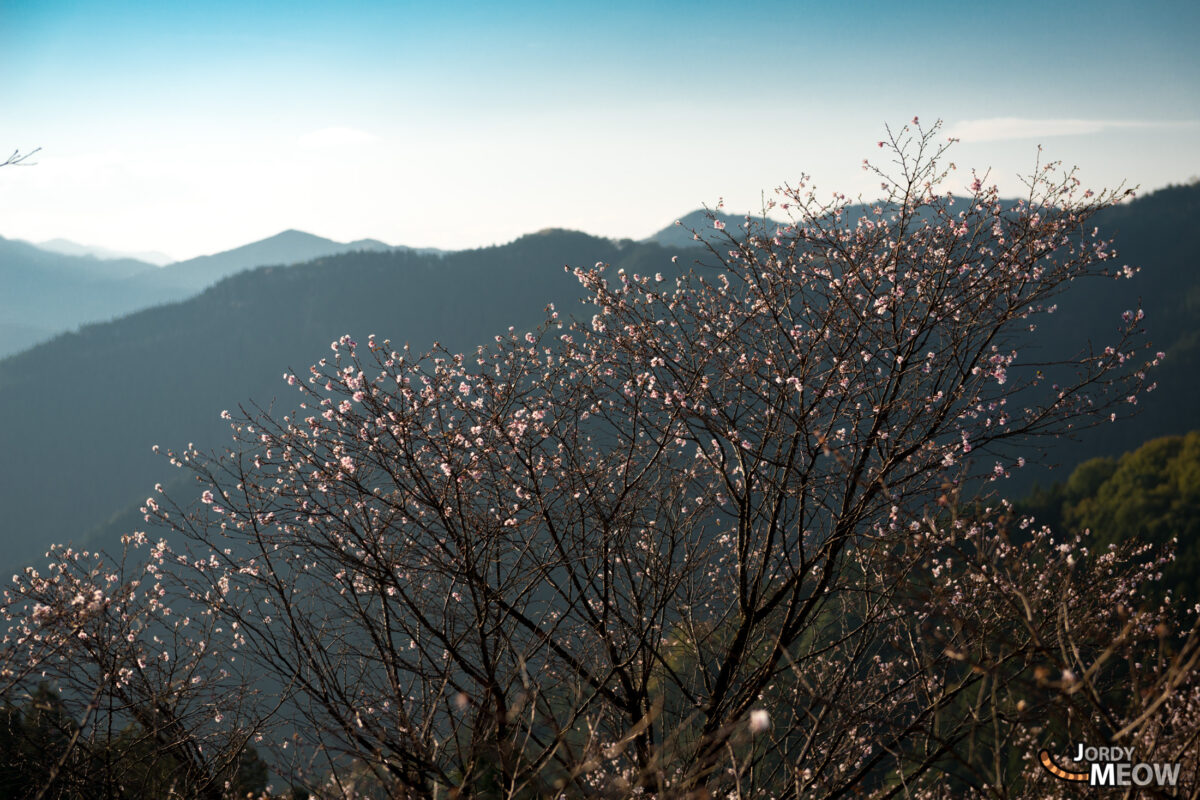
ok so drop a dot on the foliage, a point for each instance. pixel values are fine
(1150, 495)
(147, 711)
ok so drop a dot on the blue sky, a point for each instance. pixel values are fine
(195, 127)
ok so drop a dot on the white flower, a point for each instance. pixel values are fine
(760, 720)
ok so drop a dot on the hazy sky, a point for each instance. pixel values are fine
(195, 127)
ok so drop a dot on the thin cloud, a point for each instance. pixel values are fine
(336, 137)
(1002, 128)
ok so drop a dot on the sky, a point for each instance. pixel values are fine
(191, 128)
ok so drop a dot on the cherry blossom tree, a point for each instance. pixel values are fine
(155, 709)
(729, 534)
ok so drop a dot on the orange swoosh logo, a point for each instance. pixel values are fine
(1059, 772)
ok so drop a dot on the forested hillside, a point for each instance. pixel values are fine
(1158, 234)
(91, 404)
(1150, 495)
(88, 406)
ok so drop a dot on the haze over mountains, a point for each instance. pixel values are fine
(68, 248)
(56, 286)
(44, 292)
(48, 291)
(82, 410)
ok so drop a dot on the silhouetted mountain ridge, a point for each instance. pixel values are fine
(45, 292)
(50, 292)
(701, 221)
(287, 247)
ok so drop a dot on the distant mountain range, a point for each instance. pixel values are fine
(289, 247)
(68, 248)
(48, 291)
(44, 293)
(56, 286)
(81, 411)
(694, 228)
